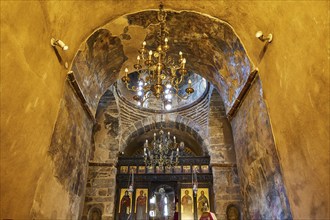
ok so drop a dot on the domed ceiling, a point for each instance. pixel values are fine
(199, 84)
(210, 45)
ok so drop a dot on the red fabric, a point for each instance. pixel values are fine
(208, 216)
(176, 216)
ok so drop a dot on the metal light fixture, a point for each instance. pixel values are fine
(261, 37)
(59, 43)
(163, 152)
(158, 73)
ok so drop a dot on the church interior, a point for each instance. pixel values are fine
(165, 110)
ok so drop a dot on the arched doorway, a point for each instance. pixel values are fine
(167, 190)
(218, 55)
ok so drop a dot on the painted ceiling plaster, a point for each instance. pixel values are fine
(212, 49)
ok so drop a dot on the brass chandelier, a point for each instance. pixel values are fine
(163, 151)
(158, 73)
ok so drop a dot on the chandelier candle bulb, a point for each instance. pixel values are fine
(150, 54)
(166, 47)
(189, 83)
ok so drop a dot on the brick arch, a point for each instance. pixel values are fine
(174, 121)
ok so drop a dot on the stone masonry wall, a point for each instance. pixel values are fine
(226, 189)
(100, 191)
(223, 160)
(101, 182)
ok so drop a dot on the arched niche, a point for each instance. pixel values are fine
(95, 213)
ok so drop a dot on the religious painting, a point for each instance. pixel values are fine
(125, 204)
(232, 212)
(187, 204)
(141, 204)
(168, 169)
(132, 168)
(95, 214)
(203, 201)
(142, 169)
(205, 168)
(123, 169)
(150, 169)
(186, 169)
(177, 169)
(196, 168)
(159, 169)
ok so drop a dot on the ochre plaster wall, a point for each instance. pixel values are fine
(294, 74)
(31, 88)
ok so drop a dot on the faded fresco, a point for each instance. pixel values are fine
(97, 65)
(214, 49)
(70, 144)
(106, 130)
(262, 186)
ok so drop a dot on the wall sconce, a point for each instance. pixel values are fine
(59, 43)
(261, 37)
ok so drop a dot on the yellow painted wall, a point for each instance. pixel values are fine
(294, 73)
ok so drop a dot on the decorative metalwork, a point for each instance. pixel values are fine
(163, 152)
(158, 73)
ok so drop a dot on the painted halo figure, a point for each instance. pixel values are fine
(125, 205)
(141, 206)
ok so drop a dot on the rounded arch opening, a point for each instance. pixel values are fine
(190, 133)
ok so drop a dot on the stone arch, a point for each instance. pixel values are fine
(214, 49)
(174, 121)
(215, 52)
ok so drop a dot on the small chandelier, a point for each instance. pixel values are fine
(159, 74)
(163, 152)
